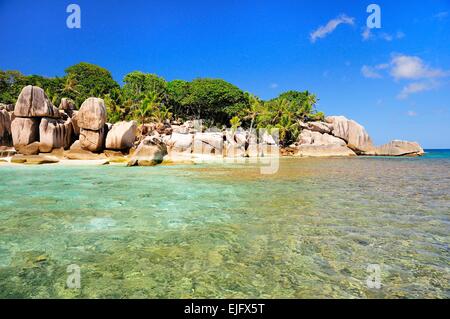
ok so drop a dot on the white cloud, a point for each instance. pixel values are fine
(411, 113)
(404, 67)
(416, 87)
(366, 34)
(412, 67)
(373, 72)
(369, 72)
(273, 85)
(323, 31)
(422, 77)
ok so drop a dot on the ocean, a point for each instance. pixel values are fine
(318, 228)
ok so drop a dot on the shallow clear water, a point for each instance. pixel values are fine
(213, 230)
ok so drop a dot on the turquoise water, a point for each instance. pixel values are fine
(444, 153)
(213, 231)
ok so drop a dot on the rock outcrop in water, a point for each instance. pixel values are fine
(339, 136)
(316, 144)
(351, 132)
(397, 148)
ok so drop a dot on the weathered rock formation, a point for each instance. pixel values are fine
(67, 106)
(5, 128)
(397, 148)
(6, 151)
(92, 141)
(315, 144)
(77, 153)
(34, 159)
(339, 136)
(150, 152)
(92, 114)
(37, 124)
(121, 136)
(76, 128)
(32, 102)
(351, 132)
(209, 143)
(179, 145)
(54, 133)
(24, 131)
(317, 126)
(91, 119)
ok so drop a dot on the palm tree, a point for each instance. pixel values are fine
(146, 106)
(115, 112)
(161, 114)
(70, 86)
(256, 108)
(235, 122)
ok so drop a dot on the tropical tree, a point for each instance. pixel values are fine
(214, 100)
(255, 108)
(147, 106)
(84, 80)
(137, 85)
(178, 91)
(115, 107)
(235, 122)
(160, 114)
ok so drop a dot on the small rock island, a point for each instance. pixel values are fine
(34, 131)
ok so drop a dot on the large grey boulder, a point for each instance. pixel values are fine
(121, 135)
(92, 140)
(67, 106)
(92, 114)
(209, 143)
(76, 128)
(34, 159)
(150, 152)
(315, 144)
(33, 102)
(317, 126)
(234, 150)
(179, 143)
(77, 153)
(54, 134)
(236, 143)
(30, 149)
(308, 137)
(24, 131)
(350, 131)
(397, 148)
(5, 128)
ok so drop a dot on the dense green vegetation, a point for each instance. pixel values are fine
(148, 97)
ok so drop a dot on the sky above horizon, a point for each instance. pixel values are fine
(395, 80)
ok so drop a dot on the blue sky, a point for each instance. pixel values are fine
(395, 80)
